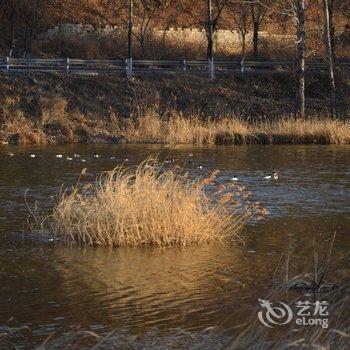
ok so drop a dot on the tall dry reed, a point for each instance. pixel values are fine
(298, 131)
(232, 130)
(147, 205)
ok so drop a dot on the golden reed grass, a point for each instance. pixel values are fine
(192, 130)
(148, 205)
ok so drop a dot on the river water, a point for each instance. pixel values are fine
(49, 287)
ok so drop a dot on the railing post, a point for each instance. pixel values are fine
(28, 66)
(128, 67)
(242, 66)
(211, 69)
(67, 65)
(184, 66)
(7, 63)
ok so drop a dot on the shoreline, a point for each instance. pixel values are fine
(224, 140)
(182, 131)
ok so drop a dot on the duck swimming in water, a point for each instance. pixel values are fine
(234, 178)
(273, 176)
(59, 156)
(200, 167)
(32, 156)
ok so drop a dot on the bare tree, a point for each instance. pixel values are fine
(214, 11)
(301, 55)
(10, 10)
(34, 11)
(330, 57)
(213, 16)
(259, 12)
(146, 11)
(240, 11)
(130, 27)
(336, 7)
(296, 10)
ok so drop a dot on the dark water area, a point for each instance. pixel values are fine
(50, 287)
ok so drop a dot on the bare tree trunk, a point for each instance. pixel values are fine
(12, 34)
(25, 44)
(330, 58)
(210, 31)
(243, 44)
(256, 39)
(332, 28)
(130, 28)
(301, 49)
(210, 48)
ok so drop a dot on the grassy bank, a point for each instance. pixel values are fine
(180, 130)
(188, 109)
(147, 205)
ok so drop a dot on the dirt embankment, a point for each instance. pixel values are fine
(59, 109)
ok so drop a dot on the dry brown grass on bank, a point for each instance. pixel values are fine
(146, 206)
(299, 131)
(181, 130)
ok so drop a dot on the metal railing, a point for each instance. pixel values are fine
(130, 67)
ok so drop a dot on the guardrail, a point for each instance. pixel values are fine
(130, 67)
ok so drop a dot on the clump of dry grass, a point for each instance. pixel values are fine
(147, 205)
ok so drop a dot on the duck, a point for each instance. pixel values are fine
(83, 160)
(32, 155)
(234, 178)
(11, 154)
(274, 176)
(76, 155)
(112, 157)
(59, 155)
(69, 158)
(96, 155)
(200, 167)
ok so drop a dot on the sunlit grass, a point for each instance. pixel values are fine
(192, 130)
(148, 205)
(324, 131)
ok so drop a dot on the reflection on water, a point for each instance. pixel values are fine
(48, 287)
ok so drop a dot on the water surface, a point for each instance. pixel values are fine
(51, 287)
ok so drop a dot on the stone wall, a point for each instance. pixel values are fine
(184, 35)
